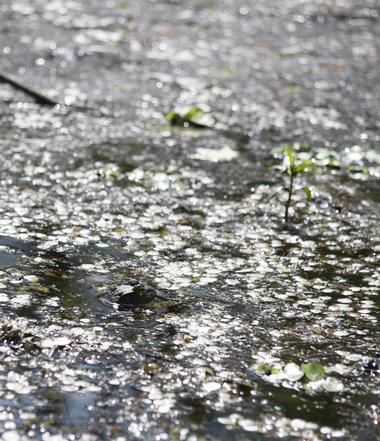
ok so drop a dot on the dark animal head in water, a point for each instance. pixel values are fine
(134, 295)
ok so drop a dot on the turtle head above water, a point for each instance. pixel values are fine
(133, 294)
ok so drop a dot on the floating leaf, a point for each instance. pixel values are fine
(262, 368)
(276, 376)
(331, 384)
(174, 118)
(333, 166)
(55, 342)
(313, 371)
(293, 372)
(189, 117)
(358, 169)
(193, 113)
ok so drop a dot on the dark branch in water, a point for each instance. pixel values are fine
(38, 97)
(289, 201)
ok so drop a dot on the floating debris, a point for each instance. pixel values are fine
(238, 326)
(16, 338)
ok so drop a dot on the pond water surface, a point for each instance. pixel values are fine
(102, 191)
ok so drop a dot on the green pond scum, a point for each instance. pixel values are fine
(150, 288)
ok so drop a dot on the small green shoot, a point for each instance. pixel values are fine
(110, 172)
(293, 169)
(262, 368)
(186, 119)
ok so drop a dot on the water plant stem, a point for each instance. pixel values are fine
(289, 201)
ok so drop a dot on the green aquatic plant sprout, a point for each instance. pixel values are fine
(310, 376)
(189, 118)
(293, 169)
(262, 368)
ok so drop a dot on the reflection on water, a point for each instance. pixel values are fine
(94, 197)
(75, 409)
(7, 259)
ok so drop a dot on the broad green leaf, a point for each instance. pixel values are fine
(262, 368)
(290, 171)
(173, 118)
(313, 371)
(308, 193)
(177, 119)
(302, 166)
(333, 166)
(293, 372)
(290, 155)
(331, 384)
(193, 113)
(358, 169)
(308, 163)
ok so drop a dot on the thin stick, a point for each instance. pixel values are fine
(38, 97)
(289, 201)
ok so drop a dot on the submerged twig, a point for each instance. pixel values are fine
(38, 97)
(293, 169)
(289, 200)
